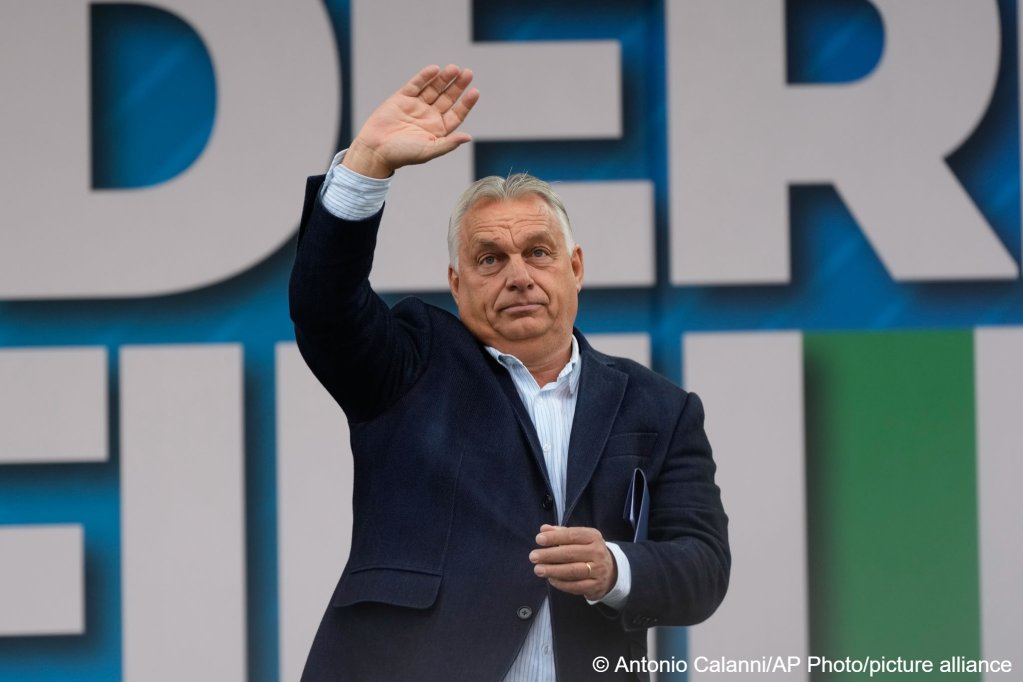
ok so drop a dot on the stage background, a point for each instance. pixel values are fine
(807, 211)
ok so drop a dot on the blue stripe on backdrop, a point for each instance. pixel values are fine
(154, 75)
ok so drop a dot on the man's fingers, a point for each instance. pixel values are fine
(454, 116)
(419, 81)
(445, 91)
(575, 571)
(573, 562)
(439, 83)
(559, 535)
(591, 579)
(566, 554)
(445, 144)
(450, 94)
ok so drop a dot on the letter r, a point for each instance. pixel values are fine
(740, 135)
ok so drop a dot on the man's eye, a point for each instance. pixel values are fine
(540, 253)
(488, 260)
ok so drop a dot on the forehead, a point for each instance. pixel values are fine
(493, 219)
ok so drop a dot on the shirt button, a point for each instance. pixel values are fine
(548, 501)
(546, 649)
(546, 447)
(524, 613)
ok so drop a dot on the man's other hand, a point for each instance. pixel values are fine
(575, 560)
(415, 124)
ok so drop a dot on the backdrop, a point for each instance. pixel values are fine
(808, 211)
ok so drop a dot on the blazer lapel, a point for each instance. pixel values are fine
(601, 389)
(508, 386)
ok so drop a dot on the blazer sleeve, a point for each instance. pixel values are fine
(680, 573)
(362, 353)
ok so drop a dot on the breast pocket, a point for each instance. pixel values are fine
(639, 445)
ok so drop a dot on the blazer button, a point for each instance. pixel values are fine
(524, 613)
(548, 501)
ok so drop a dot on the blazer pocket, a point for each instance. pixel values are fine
(395, 586)
(630, 444)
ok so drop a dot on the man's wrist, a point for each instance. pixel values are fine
(366, 161)
(619, 592)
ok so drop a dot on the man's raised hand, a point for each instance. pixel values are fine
(417, 123)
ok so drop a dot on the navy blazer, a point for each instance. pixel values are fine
(451, 488)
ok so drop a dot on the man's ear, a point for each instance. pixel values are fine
(453, 282)
(577, 266)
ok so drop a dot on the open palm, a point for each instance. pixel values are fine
(417, 123)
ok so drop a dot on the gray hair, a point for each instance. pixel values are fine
(496, 188)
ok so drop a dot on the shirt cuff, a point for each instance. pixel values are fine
(349, 195)
(620, 592)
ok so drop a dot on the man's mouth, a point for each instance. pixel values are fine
(523, 308)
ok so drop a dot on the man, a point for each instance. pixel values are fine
(493, 451)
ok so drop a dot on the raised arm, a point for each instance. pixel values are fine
(358, 349)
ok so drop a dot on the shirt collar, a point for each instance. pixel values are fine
(570, 372)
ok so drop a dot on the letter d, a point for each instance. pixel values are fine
(276, 69)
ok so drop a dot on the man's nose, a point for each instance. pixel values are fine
(518, 275)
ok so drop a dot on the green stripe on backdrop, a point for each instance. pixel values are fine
(891, 499)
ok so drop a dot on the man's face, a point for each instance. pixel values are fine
(517, 285)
